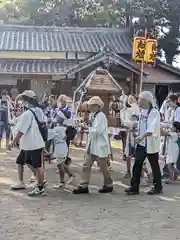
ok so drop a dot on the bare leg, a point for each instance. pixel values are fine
(61, 172)
(81, 138)
(142, 173)
(128, 164)
(61, 176)
(20, 184)
(40, 176)
(145, 170)
(67, 170)
(143, 181)
(20, 172)
(33, 170)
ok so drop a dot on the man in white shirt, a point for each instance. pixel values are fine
(97, 149)
(30, 141)
(148, 144)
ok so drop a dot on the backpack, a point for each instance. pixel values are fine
(42, 127)
(178, 142)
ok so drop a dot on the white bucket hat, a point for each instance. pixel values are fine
(28, 93)
(96, 101)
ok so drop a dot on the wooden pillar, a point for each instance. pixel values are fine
(78, 78)
(136, 84)
(105, 99)
(132, 83)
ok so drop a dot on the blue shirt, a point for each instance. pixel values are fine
(3, 115)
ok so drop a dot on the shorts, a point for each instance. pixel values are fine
(30, 157)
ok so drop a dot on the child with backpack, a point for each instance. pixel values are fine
(130, 144)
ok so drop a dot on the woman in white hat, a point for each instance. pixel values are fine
(148, 144)
(98, 148)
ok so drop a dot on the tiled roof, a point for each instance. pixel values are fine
(168, 67)
(63, 39)
(102, 80)
(106, 57)
(36, 66)
(160, 75)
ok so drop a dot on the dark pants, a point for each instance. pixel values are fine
(123, 137)
(178, 162)
(140, 156)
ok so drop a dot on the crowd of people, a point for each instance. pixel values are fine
(45, 130)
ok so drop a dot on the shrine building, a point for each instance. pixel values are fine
(57, 59)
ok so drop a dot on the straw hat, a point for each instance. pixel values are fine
(96, 101)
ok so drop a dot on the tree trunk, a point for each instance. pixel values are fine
(169, 58)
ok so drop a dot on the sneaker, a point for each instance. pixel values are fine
(127, 175)
(18, 186)
(165, 176)
(36, 192)
(34, 185)
(81, 190)
(131, 191)
(168, 181)
(143, 183)
(53, 161)
(60, 185)
(32, 179)
(106, 189)
(176, 175)
(110, 168)
(154, 191)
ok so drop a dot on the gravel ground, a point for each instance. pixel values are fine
(61, 215)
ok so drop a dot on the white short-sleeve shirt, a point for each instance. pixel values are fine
(32, 138)
(143, 124)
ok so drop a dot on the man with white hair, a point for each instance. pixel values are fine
(148, 144)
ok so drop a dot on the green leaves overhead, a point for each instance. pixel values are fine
(161, 14)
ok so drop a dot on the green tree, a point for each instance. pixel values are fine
(69, 12)
(164, 16)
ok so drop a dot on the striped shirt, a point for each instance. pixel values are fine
(53, 113)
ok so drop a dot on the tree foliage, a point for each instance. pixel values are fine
(164, 16)
(160, 14)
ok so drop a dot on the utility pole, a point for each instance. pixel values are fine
(129, 14)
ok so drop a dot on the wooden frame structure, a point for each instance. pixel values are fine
(98, 83)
